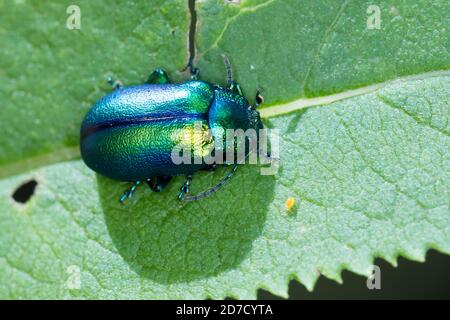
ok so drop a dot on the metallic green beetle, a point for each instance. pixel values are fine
(130, 134)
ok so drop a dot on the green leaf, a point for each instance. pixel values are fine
(51, 75)
(311, 48)
(367, 161)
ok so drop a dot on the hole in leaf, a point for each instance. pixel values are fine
(25, 191)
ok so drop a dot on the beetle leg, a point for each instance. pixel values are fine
(157, 184)
(129, 193)
(185, 187)
(210, 191)
(116, 84)
(158, 76)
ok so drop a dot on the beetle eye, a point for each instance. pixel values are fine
(259, 99)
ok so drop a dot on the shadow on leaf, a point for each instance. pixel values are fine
(170, 241)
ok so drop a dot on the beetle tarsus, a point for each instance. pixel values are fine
(129, 193)
(185, 188)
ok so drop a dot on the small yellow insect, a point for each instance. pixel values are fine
(290, 202)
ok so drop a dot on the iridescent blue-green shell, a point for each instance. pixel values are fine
(129, 134)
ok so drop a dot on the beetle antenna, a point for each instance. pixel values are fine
(210, 191)
(229, 70)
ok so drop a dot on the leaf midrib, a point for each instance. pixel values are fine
(303, 103)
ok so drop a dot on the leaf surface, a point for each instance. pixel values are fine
(369, 169)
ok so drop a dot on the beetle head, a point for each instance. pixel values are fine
(231, 110)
